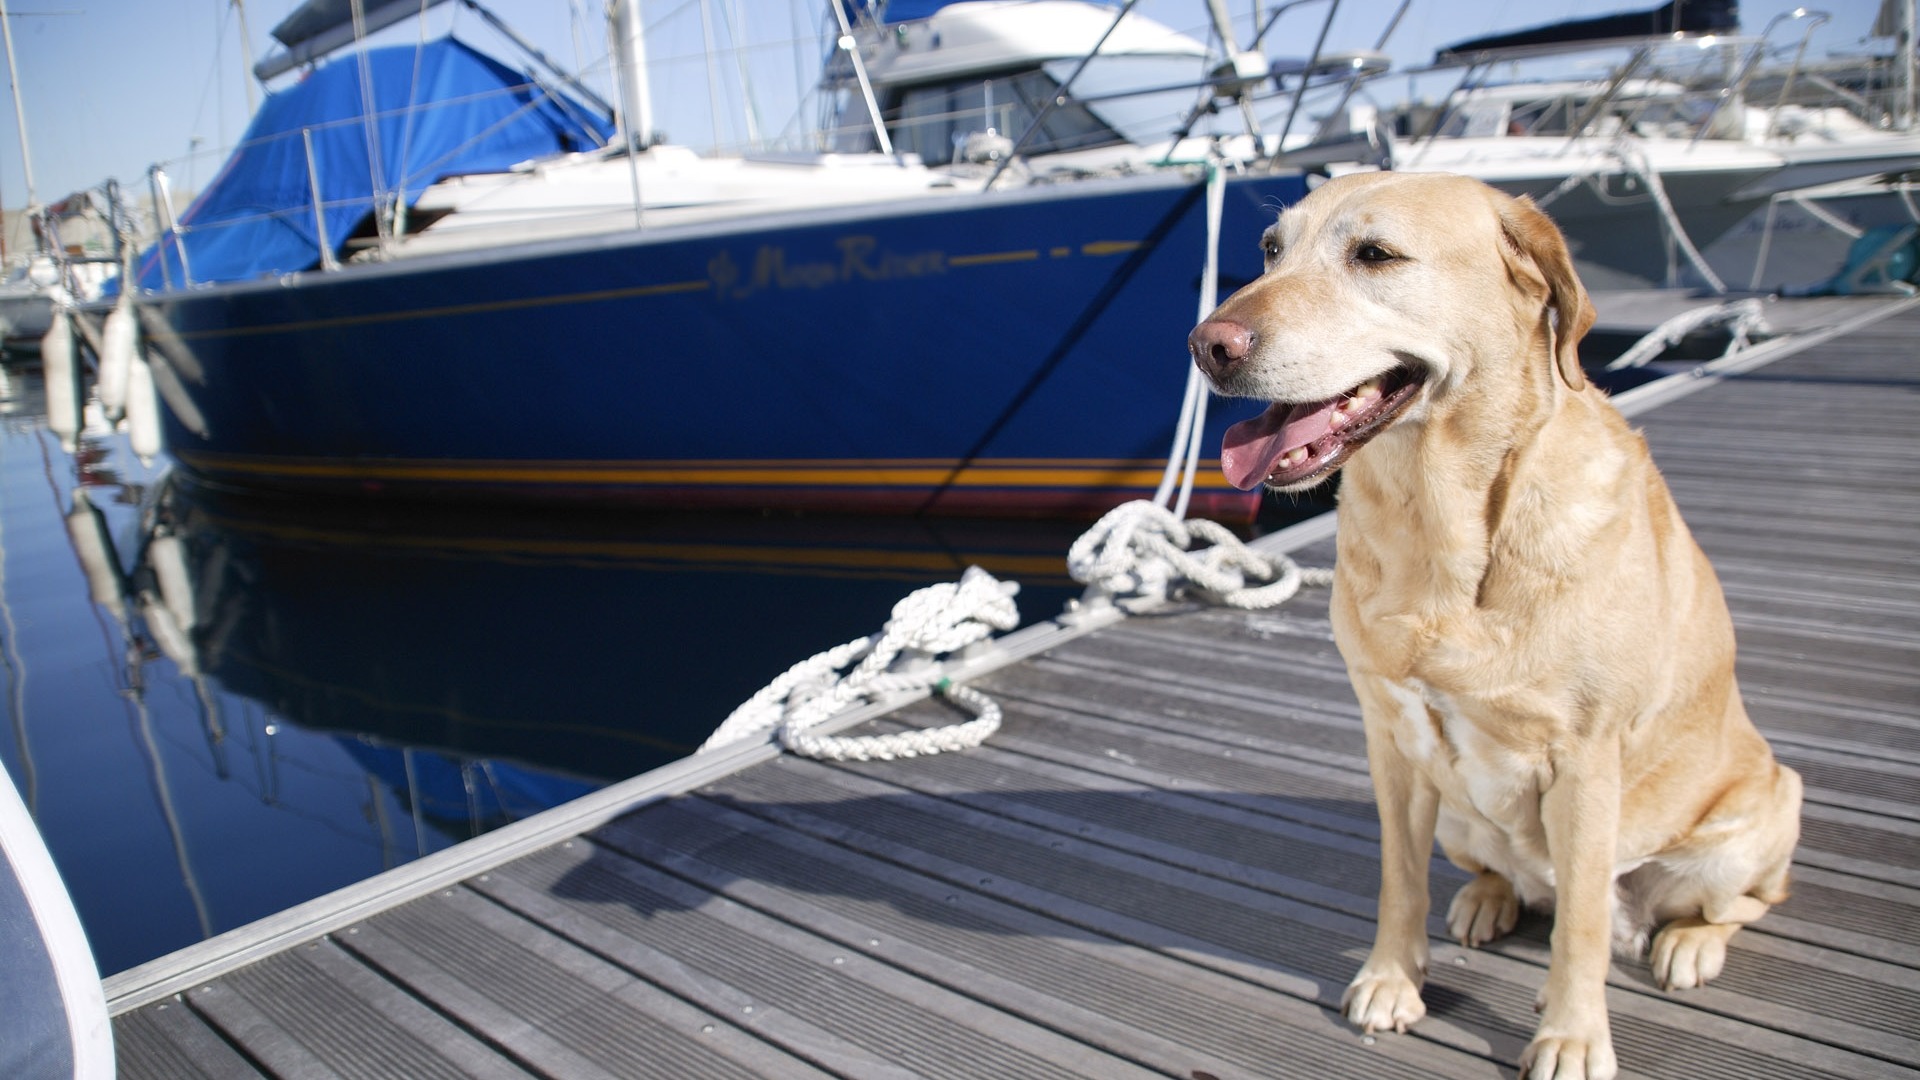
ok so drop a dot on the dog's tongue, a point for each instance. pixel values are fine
(1252, 447)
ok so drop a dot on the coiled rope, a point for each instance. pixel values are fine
(930, 622)
(1140, 554)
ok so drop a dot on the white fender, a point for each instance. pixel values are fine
(168, 557)
(118, 344)
(63, 389)
(143, 410)
(167, 635)
(88, 532)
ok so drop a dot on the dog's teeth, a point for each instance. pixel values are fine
(1368, 389)
(1295, 456)
(1340, 418)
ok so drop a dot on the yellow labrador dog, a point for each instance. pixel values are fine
(1542, 653)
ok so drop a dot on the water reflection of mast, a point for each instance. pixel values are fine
(108, 586)
(169, 612)
(266, 762)
(17, 688)
(413, 801)
(377, 798)
(137, 697)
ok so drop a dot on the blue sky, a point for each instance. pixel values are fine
(111, 86)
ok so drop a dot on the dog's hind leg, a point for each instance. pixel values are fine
(1690, 950)
(1484, 909)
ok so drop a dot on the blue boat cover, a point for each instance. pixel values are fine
(440, 110)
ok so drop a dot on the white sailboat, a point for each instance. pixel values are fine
(1642, 171)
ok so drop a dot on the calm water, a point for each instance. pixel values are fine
(220, 706)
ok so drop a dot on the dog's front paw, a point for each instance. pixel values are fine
(1383, 997)
(1483, 909)
(1569, 1056)
(1689, 952)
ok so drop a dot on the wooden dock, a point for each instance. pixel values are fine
(1163, 865)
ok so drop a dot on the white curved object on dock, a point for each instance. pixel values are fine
(56, 1025)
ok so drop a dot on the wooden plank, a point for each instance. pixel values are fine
(872, 1018)
(579, 918)
(169, 1041)
(1283, 944)
(315, 1009)
(245, 1024)
(558, 1007)
(1853, 915)
(1164, 1013)
(1341, 873)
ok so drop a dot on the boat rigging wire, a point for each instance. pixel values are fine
(1109, 292)
(1058, 99)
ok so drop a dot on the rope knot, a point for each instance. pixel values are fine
(1140, 553)
(929, 623)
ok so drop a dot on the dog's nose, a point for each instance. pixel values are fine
(1219, 346)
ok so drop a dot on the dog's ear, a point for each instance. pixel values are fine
(1532, 235)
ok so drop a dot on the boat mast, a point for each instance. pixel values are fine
(19, 110)
(1222, 22)
(626, 41)
(246, 57)
(713, 70)
(734, 31)
(629, 48)
(851, 46)
(1909, 93)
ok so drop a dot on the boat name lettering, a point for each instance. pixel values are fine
(861, 258)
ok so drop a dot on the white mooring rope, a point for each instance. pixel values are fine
(1183, 457)
(1136, 556)
(932, 621)
(1140, 553)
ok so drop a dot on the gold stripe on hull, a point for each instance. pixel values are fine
(990, 473)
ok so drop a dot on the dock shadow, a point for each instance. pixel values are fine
(1287, 908)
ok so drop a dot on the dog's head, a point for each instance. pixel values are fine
(1384, 294)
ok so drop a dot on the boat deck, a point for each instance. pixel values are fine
(1164, 864)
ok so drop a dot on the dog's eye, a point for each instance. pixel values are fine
(1369, 252)
(1270, 250)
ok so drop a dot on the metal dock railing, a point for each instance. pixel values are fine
(1164, 863)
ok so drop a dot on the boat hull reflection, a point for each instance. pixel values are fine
(599, 646)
